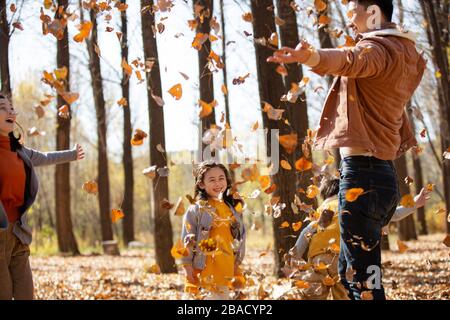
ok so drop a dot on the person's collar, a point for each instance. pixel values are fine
(388, 29)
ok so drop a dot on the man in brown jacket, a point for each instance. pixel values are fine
(364, 116)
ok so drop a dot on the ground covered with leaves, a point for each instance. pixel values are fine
(421, 272)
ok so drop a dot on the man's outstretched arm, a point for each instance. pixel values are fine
(366, 59)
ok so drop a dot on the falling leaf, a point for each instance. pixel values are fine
(122, 102)
(247, 17)
(264, 181)
(288, 142)
(154, 268)
(33, 132)
(185, 76)
(430, 187)
(61, 73)
(312, 191)
(303, 164)
(301, 284)
(352, 194)
(126, 67)
(199, 40)
(176, 91)
(90, 187)
(85, 30)
(296, 226)
(138, 138)
(366, 295)
(402, 248)
(328, 281)
(320, 5)
(407, 201)
(273, 40)
(18, 25)
(206, 108)
(282, 70)
(409, 180)
(64, 112)
(446, 240)
(285, 165)
(272, 113)
(48, 4)
(271, 189)
(438, 74)
(116, 215)
(150, 172)
(285, 224)
(320, 266)
(13, 8)
(423, 133)
(224, 89)
(254, 126)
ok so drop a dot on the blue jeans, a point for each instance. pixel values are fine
(361, 221)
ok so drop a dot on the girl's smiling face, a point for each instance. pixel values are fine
(7, 116)
(214, 182)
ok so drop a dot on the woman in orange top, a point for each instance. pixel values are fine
(18, 189)
(214, 233)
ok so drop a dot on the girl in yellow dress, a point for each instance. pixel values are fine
(214, 234)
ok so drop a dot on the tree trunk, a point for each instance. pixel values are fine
(102, 164)
(205, 75)
(64, 228)
(298, 111)
(163, 228)
(407, 229)
(438, 42)
(128, 204)
(418, 179)
(4, 49)
(326, 43)
(270, 90)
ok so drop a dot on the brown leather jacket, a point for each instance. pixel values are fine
(365, 107)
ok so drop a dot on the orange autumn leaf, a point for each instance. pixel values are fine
(312, 191)
(85, 30)
(178, 250)
(271, 189)
(64, 112)
(90, 187)
(126, 67)
(264, 181)
(430, 187)
(61, 74)
(285, 165)
(69, 97)
(320, 266)
(224, 89)
(303, 164)
(138, 138)
(176, 91)
(247, 17)
(401, 246)
(328, 281)
(352, 194)
(288, 142)
(320, 5)
(296, 226)
(407, 201)
(122, 102)
(116, 215)
(285, 224)
(301, 284)
(206, 108)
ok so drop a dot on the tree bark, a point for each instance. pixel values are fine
(128, 203)
(163, 234)
(205, 75)
(64, 227)
(270, 90)
(4, 49)
(434, 12)
(102, 164)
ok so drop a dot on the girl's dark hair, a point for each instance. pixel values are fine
(199, 175)
(329, 187)
(15, 142)
(386, 6)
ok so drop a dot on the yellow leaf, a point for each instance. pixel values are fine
(285, 165)
(352, 194)
(179, 251)
(85, 30)
(312, 191)
(296, 226)
(176, 91)
(285, 224)
(438, 74)
(116, 215)
(264, 181)
(61, 74)
(407, 201)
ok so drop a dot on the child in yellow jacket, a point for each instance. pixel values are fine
(214, 233)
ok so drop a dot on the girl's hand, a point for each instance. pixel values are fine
(189, 273)
(80, 152)
(422, 198)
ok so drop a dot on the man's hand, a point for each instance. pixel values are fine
(422, 198)
(300, 54)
